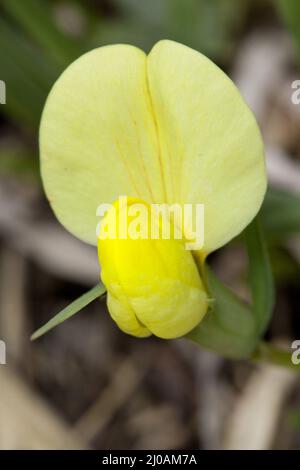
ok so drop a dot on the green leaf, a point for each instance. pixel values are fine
(286, 270)
(260, 274)
(228, 327)
(70, 310)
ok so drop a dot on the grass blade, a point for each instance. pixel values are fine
(70, 310)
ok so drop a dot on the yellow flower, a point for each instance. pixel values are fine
(153, 285)
(169, 127)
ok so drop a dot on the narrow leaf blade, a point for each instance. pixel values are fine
(261, 279)
(71, 310)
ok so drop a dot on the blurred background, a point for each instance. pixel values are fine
(86, 384)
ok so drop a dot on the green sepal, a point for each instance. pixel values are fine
(228, 327)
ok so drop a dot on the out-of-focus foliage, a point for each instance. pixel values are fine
(205, 25)
(284, 267)
(18, 161)
(290, 12)
(293, 418)
(281, 214)
(33, 53)
(36, 18)
(28, 76)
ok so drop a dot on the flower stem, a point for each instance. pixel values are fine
(266, 352)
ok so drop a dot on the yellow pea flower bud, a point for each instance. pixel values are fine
(153, 285)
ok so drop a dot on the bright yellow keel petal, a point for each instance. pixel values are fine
(123, 314)
(152, 283)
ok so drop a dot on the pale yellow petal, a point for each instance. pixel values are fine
(98, 137)
(210, 145)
